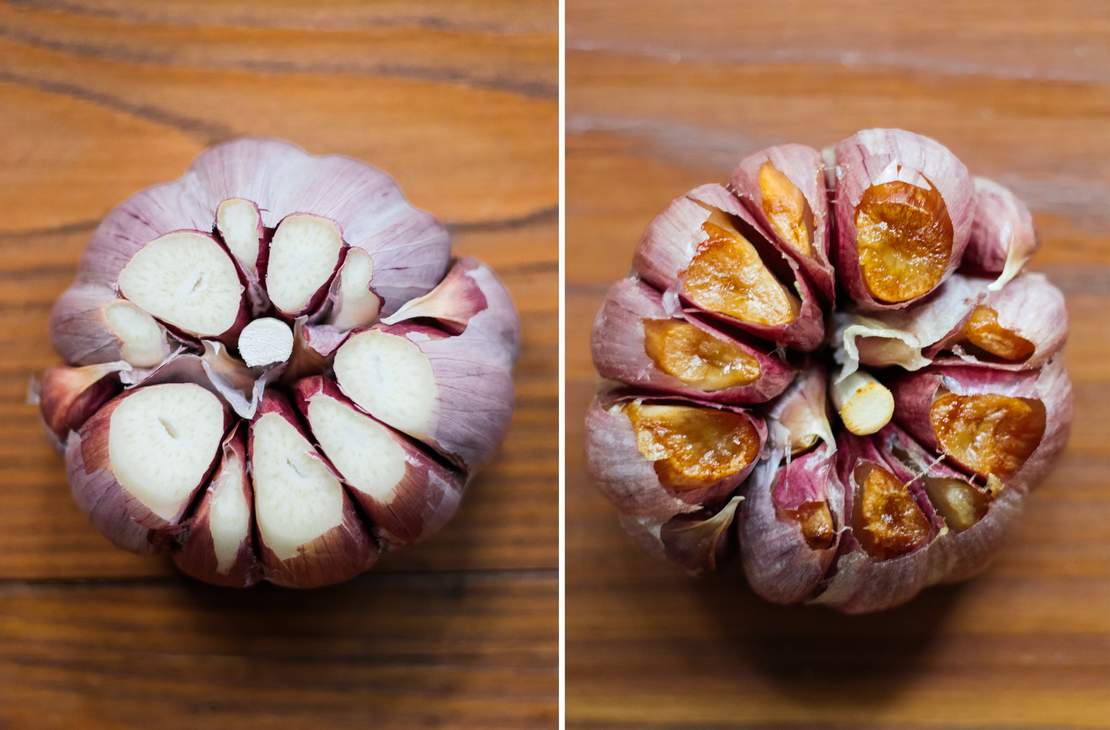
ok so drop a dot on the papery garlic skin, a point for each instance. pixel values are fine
(947, 376)
(1002, 234)
(205, 308)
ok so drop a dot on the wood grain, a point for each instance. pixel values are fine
(457, 100)
(664, 96)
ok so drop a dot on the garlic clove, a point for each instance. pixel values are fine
(407, 494)
(658, 458)
(136, 464)
(944, 408)
(865, 405)
(189, 282)
(220, 546)
(790, 523)
(239, 225)
(799, 418)
(89, 324)
(784, 188)
(697, 541)
(1018, 327)
(1002, 234)
(635, 340)
(469, 299)
(69, 396)
(709, 251)
(452, 392)
(352, 304)
(304, 254)
(903, 205)
(309, 534)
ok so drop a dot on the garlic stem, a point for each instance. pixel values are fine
(865, 405)
(265, 341)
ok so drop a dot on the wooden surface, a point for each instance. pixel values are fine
(663, 96)
(458, 100)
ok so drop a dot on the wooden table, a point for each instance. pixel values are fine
(457, 99)
(664, 96)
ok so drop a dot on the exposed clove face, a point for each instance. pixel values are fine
(904, 208)
(637, 341)
(206, 308)
(708, 251)
(950, 389)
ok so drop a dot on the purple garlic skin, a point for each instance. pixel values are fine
(900, 462)
(296, 341)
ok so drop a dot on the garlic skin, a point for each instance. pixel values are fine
(619, 350)
(804, 169)
(1002, 233)
(676, 236)
(947, 376)
(698, 541)
(212, 327)
(874, 157)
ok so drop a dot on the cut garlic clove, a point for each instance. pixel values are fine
(661, 458)
(1002, 234)
(637, 342)
(407, 494)
(136, 464)
(303, 256)
(308, 531)
(706, 248)
(220, 546)
(89, 324)
(944, 408)
(904, 207)
(452, 392)
(790, 523)
(865, 405)
(784, 188)
(352, 303)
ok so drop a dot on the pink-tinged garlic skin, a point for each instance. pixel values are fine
(698, 541)
(470, 299)
(1002, 233)
(877, 156)
(326, 542)
(672, 239)
(914, 394)
(778, 562)
(93, 458)
(407, 494)
(69, 396)
(630, 480)
(220, 546)
(451, 392)
(803, 167)
(618, 344)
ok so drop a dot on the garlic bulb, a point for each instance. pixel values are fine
(275, 371)
(854, 480)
